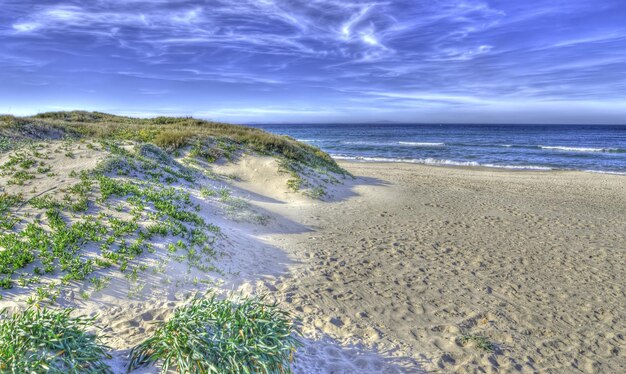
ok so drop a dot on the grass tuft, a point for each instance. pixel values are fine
(173, 139)
(478, 341)
(50, 341)
(221, 336)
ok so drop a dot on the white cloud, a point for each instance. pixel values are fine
(26, 26)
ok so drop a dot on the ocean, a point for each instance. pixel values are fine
(594, 148)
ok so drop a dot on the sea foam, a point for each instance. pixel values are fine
(577, 149)
(422, 144)
(440, 162)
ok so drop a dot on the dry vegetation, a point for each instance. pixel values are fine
(166, 132)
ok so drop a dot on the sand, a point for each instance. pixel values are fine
(406, 260)
(128, 310)
(398, 265)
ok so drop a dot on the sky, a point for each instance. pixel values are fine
(267, 61)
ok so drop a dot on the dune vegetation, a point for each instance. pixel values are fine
(50, 341)
(216, 139)
(221, 336)
(87, 199)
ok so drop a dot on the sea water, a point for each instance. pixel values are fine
(592, 148)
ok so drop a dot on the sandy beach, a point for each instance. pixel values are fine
(402, 269)
(313, 187)
(406, 266)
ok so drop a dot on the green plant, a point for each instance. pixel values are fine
(5, 144)
(6, 283)
(478, 341)
(44, 202)
(207, 192)
(224, 193)
(294, 184)
(317, 192)
(50, 341)
(20, 177)
(221, 336)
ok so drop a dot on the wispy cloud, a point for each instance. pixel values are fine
(433, 97)
(152, 91)
(258, 57)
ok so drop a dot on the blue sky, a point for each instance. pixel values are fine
(541, 61)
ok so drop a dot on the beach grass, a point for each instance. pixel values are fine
(50, 341)
(167, 132)
(209, 335)
(53, 239)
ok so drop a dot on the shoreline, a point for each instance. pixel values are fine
(481, 167)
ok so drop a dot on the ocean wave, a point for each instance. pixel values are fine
(440, 162)
(521, 146)
(426, 161)
(518, 167)
(360, 142)
(393, 143)
(578, 149)
(606, 172)
(422, 144)
(309, 140)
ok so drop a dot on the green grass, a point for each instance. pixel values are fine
(50, 341)
(478, 341)
(5, 144)
(20, 177)
(207, 192)
(8, 201)
(221, 336)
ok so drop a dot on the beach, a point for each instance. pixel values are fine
(313, 187)
(388, 268)
(411, 268)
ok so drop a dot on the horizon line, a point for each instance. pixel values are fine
(379, 122)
